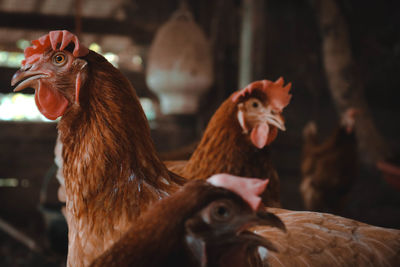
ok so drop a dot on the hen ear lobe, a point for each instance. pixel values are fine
(197, 246)
(241, 119)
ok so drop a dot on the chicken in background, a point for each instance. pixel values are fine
(110, 166)
(203, 224)
(329, 168)
(194, 227)
(237, 138)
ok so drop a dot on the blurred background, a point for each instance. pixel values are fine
(184, 59)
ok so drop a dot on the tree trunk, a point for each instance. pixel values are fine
(344, 81)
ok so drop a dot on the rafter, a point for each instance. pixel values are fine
(139, 32)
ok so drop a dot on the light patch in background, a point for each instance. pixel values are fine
(95, 47)
(9, 182)
(22, 107)
(19, 107)
(22, 44)
(149, 108)
(137, 60)
(111, 57)
(14, 182)
(11, 59)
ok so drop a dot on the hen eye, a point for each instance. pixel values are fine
(59, 59)
(253, 103)
(221, 212)
(274, 112)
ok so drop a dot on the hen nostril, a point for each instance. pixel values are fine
(26, 67)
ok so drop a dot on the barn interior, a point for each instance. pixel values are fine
(231, 43)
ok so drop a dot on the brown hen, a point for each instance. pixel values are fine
(206, 226)
(237, 138)
(111, 169)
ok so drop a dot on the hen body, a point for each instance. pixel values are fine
(321, 239)
(111, 170)
(329, 168)
(227, 147)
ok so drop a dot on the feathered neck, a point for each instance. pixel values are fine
(224, 148)
(110, 163)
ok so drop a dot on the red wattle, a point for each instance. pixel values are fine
(259, 135)
(50, 102)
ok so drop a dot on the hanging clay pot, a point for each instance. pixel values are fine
(180, 67)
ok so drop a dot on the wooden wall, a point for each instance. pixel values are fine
(26, 154)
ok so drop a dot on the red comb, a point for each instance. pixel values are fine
(52, 39)
(277, 94)
(248, 188)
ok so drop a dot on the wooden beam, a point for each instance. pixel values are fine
(141, 33)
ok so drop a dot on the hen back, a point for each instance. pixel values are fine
(321, 239)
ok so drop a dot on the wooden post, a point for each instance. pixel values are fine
(252, 42)
(345, 84)
(246, 43)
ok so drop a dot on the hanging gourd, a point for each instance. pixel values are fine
(180, 67)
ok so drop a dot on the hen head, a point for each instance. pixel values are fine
(220, 230)
(349, 119)
(54, 67)
(260, 107)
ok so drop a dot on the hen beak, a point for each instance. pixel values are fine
(26, 77)
(260, 218)
(276, 120)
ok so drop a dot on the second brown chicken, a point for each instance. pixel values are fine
(237, 138)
